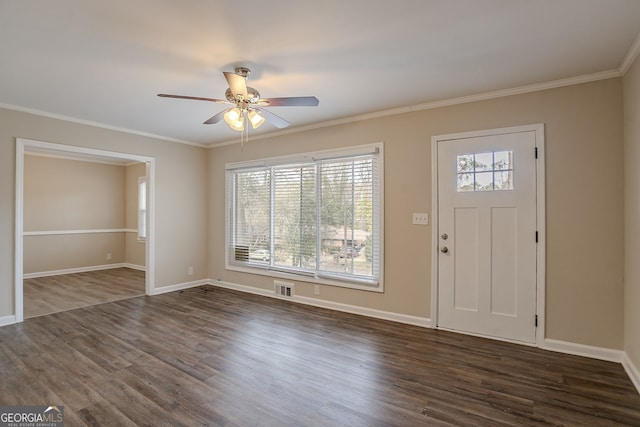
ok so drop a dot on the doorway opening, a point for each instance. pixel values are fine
(36, 241)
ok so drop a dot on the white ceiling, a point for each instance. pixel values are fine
(103, 62)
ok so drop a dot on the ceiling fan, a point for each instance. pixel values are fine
(249, 107)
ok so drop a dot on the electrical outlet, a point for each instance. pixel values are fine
(316, 289)
(190, 271)
(108, 255)
(421, 218)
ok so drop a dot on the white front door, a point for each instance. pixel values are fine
(487, 235)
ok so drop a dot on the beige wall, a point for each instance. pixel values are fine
(584, 135)
(584, 197)
(632, 212)
(68, 195)
(134, 249)
(64, 194)
(68, 251)
(181, 193)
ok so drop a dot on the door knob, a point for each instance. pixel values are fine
(444, 250)
(445, 236)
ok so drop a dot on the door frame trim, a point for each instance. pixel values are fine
(538, 129)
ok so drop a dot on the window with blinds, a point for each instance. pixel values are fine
(317, 215)
(142, 208)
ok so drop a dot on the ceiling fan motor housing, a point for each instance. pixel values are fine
(252, 94)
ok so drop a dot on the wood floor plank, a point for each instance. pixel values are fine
(54, 294)
(224, 358)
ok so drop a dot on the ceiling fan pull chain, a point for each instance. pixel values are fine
(242, 133)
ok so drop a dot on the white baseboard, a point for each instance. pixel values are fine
(135, 266)
(632, 371)
(7, 320)
(180, 286)
(601, 353)
(347, 308)
(72, 270)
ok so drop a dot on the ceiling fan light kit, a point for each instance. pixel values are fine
(256, 119)
(248, 103)
(234, 118)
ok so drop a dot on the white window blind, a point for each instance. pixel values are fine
(294, 217)
(251, 229)
(318, 217)
(348, 221)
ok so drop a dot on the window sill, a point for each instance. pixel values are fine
(308, 279)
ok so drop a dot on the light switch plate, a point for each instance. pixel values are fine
(421, 218)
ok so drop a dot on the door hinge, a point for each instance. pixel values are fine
(536, 321)
(536, 237)
(535, 151)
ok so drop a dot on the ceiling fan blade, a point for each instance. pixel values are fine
(237, 84)
(275, 120)
(293, 101)
(196, 98)
(216, 118)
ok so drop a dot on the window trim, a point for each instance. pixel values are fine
(324, 278)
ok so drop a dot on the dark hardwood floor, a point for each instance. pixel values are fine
(224, 358)
(53, 294)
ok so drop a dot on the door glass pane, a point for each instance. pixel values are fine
(465, 163)
(483, 161)
(503, 180)
(465, 182)
(502, 160)
(484, 181)
(485, 171)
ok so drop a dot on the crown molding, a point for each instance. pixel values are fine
(631, 55)
(570, 81)
(96, 124)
